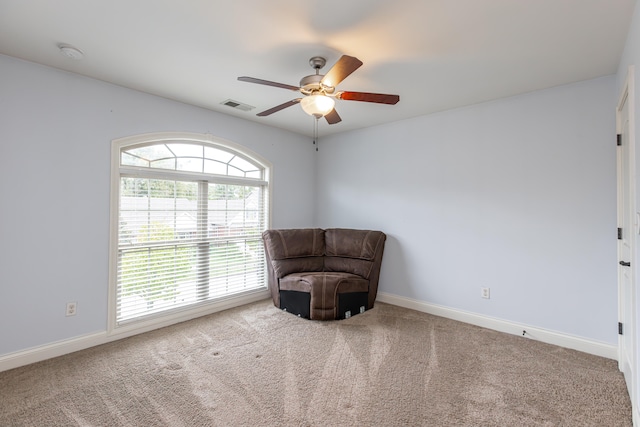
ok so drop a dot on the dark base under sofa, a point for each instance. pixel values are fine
(324, 274)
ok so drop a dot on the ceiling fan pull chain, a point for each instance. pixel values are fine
(315, 131)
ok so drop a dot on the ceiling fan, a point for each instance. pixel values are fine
(320, 90)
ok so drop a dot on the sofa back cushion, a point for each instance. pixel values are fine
(295, 250)
(352, 251)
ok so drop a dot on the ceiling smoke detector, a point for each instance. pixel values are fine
(70, 52)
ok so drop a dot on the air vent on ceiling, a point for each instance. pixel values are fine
(237, 105)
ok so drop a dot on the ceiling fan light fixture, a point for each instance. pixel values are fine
(317, 105)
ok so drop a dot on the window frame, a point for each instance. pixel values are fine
(117, 171)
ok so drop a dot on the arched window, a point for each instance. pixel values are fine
(190, 213)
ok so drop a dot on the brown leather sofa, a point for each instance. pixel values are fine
(324, 274)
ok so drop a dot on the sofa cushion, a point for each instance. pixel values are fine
(287, 266)
(360, 244)
(291, 251)
(303, 282)
(352, 251)
(359, 267)
(294, 243)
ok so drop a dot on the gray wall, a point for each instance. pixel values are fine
(55, 137)
(518, 195)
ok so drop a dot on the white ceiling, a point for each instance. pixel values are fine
(435, 54)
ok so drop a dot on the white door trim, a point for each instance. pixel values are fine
(627, 96)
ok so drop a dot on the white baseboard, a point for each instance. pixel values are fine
(44, 352)
(60, 348)
(550, 337)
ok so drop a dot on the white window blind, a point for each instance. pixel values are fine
(190, 227)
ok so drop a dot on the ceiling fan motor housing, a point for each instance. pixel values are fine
(311, 84)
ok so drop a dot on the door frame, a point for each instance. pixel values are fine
(627, 95)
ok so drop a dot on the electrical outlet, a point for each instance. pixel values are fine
(485, 293)
(72, 307)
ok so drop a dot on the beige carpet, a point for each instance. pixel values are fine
(259, 366)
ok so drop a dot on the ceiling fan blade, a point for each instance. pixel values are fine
(267, 83)
(341, 70)
(279, 107)
(333, 117)
(380, 98)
